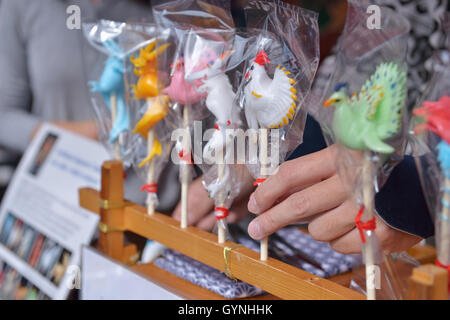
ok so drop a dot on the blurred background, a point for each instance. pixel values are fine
(331, 20)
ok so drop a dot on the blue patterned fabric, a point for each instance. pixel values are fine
(205, 276)
(332, 262)
(209, 278)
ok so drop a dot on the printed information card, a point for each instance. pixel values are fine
(42, 227)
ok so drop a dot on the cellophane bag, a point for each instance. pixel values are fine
(108, 85)
(204, 63)
(431, 125)
(149, 122)
(371, 137)
(276, 82)
(177, 18)
(214, 62)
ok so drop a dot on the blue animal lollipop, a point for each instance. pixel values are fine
(111, 86)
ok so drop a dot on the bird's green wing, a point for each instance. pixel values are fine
(374, 143)
(385, 94)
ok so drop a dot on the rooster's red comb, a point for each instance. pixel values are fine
(262, 58)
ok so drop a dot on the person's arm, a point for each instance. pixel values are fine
(401, 202)
(308, 188)
(16, 122)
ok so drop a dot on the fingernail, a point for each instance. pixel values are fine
(252, 205)
(254, 230)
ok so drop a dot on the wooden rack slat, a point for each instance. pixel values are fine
(273, 276)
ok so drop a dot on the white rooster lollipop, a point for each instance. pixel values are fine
(269, 104)
(219, 101)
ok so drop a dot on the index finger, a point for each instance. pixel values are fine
(316, 199)
(294, 174)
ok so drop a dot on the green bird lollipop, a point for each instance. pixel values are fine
(363, 122)
(373, 115)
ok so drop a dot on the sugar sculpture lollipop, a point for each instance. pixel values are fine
(269, 104)
(219, 101)
(437, 116)
(147, 88)
(182, 92)
(112, 88)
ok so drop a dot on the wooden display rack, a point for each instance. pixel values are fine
(280, 280)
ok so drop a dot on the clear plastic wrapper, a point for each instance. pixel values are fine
(179, 18)
(366, 115)
(109, 87)
(213, 59)
(275, 84)
(151, 139)
(277, 79)
(393, 286)
(432, 124)
(438, 87)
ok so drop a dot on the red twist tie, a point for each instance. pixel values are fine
(368, 225)
(216, 125)
(223, 213)
(259, 181)
(150, 188)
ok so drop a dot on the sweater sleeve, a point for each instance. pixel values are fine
(401, 203)
(16, 121)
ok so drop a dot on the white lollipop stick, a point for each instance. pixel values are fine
(150, 173)
(113, 102)
(221, 232)
(185, 174)
(369, 250)
(263, 137)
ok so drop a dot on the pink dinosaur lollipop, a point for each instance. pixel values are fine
(180, 90)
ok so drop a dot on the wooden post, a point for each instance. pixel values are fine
(112, 213)
(111, 194)
(428, 282)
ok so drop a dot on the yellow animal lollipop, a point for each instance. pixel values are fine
(147, 88)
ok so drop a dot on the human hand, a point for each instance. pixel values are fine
(309, 189)
(201, 207)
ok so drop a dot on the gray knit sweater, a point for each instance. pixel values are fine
(44, 66)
